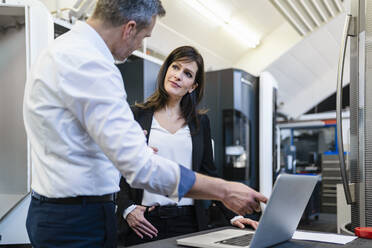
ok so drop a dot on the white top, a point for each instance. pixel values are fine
(81, 128)
(176, 147)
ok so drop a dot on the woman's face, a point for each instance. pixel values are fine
(180, 78)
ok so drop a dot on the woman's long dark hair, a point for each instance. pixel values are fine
(189, 101)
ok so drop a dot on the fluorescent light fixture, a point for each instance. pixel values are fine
(241, 33)
(198, 6)
(217, 16)
(221, 11)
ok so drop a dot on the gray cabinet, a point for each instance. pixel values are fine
(330, 177)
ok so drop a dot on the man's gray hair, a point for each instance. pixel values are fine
(119, 12)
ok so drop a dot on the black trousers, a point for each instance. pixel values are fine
(90, 225)
(168, 226)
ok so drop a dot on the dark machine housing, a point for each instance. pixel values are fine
(231, 95)
(139, 76)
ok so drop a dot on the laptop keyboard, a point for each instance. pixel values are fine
(242, 240)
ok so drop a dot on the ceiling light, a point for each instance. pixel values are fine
(198, 6)
(222, 18)
(243, 34)
(223, 12)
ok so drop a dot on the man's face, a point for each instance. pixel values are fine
(132, 41)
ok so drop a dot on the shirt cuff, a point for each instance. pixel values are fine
(236, 218)
(187, 180)
(128, 210)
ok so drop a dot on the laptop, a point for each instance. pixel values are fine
(278, 222)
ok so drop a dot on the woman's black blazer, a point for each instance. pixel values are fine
(202, 162)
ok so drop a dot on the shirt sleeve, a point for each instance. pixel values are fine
(187, 181)
(94, 93)
(128, 210)
(238, 217)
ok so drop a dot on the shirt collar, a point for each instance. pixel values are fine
(90, 34)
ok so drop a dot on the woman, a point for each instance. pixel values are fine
(178, 132)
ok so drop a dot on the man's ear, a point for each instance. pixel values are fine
(129, 29)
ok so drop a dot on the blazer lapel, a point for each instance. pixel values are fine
(197, 147)
(145, 121)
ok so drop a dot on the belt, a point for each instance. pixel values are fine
(172, 211)
(75, 200)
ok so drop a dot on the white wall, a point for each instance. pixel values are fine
(276, 44)
(266, 85)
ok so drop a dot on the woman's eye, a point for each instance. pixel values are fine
(188, 74)
(174, 66)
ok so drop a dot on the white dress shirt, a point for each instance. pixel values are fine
(81, 129)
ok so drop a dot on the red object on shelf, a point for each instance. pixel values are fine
(329, 122)
(363, 232)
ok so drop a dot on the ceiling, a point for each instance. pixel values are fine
(183, 25)
(304, 65)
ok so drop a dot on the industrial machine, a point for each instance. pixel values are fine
(231, 96)
(358, 191)
(236, 140)
(139, 76)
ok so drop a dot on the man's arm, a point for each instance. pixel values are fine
(235, 196)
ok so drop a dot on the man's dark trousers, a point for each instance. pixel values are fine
(71, 225)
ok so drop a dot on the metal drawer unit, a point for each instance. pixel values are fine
(330, 177)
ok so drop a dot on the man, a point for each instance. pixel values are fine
(82, 132)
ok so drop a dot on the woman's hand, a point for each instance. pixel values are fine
(245, 221)
(137, 221)
(153, 148)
